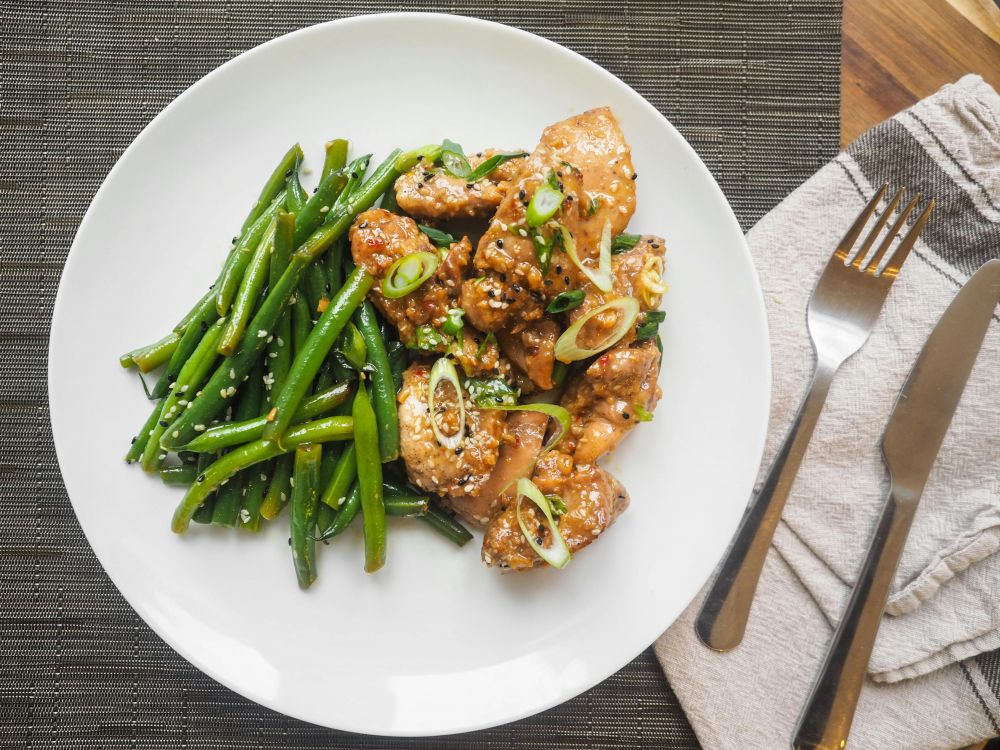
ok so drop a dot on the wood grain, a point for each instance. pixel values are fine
(896, 52)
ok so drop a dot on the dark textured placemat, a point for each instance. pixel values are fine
(753, 86)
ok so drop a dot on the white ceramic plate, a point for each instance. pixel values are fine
(435, 643)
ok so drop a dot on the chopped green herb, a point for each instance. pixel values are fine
(595, 203)
(351, 345)
(453, 321)
(566, 301)
(489, 393)
(642, 413)
(486, 167)
(624, 242)
(649, 327)
(490, 339)
(557, 505)
(428, 339)
(436, 236)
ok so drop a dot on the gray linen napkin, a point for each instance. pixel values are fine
(945, 607)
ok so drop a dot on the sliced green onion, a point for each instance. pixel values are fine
(453, 159)
(648, 328)
(544, 204)
(444, 370)
(567, 349)
(439, 238)
(601, 278)
(566, 301)
(557, 555)
(624, 242)
(486, 167)
(408, 273)
(642, 413)
(453, 324)
(491, 338)
(494, 393)
(595, 203)
(408, 160)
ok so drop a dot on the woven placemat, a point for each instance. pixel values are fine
(753, 86)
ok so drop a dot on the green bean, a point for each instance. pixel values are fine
(324, 516)
(383, 385)
(178, 475)
(139, 441)
(289, 164)
(345, 471)
(279, 351)
(308, 361)
(314, 286)
(184, 322)
(253, 498)
(229, 434)
(152, 356)
(297, 195)
(318, 431)
(397, 363)
(251, 286)
(304, 505)
(187, 383)
(334, 263)
(241, 254)
(347, 513)
(205, 317)
(446, 525)
(325, 379)
(204, 512)
(301, 323)
(369, 480)
(213, 399)
(336, 156)
(351, 344)
(331, 454)
(323, 197)
(406, 506)
(230, 496)
(279, 489)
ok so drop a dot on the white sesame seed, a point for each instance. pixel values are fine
(163, 456)
(176, 433)
(291, 481)
(184, 388)
(522, 232)
(263, 477)
(281, 341)
(199, 428)
(272, 355)
(324, 209)
(244, 514)
(222, 392)
(284, 497)
(261, 334)
(232, 373)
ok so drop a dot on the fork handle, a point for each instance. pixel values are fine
(826, 718)
(724, 613)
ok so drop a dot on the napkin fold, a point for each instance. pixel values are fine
(928, 689)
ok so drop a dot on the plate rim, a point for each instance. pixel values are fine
(246, 690)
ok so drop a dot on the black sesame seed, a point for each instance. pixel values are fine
(655, 245)
(635, 175)
(420, 157)
(522, 195)
(164, 424)
(363, 225)
(235, 239)
(201, 477)
(469, 185)
(548, 282)
(500, 242)
(516, 287)
(538, 540)
(289, 173)
(624, 415)
(458, 451)
(503, 278)
(354, 175)
(491, 293)
(558, 269)
(566, 279)
(134, 439)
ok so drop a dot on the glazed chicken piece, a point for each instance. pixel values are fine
(434, 194)
(593, 500)
(431, 466)
(603, 401)
(588, 157)
(522, 442)
(635, 273)
(378, 239)
(532, 350)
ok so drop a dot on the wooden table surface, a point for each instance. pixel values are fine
(896, 52)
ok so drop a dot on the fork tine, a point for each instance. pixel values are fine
(883, 248)
(899, 257)
(873, 234)
(844, 248)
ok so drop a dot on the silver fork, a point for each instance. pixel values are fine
(842, 311)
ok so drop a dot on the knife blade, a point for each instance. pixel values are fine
(910, 442)
(930, 395)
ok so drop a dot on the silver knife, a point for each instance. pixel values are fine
(910, 443)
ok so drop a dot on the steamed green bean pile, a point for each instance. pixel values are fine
(277, 387)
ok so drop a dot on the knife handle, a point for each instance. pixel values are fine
(726, 609)
(827, 715)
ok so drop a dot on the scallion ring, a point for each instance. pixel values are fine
(558, 554)
(544, 204)
(601, 278)
(567, 348)
(444, 370)
(408, 273)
